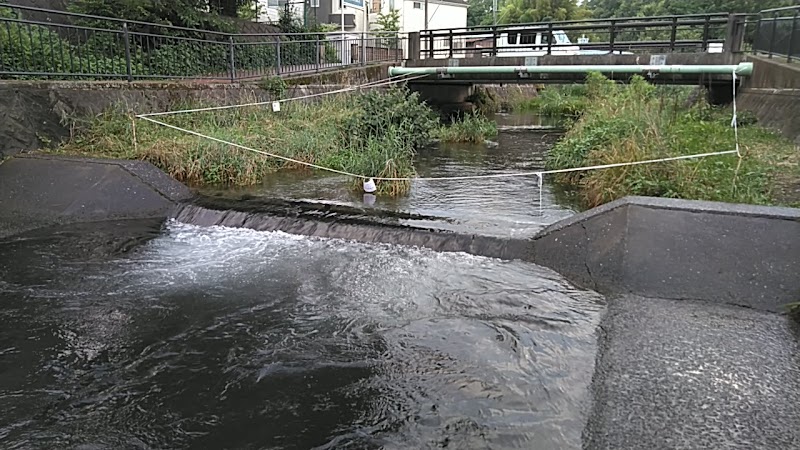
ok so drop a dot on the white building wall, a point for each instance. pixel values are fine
(361, 20)
(440, 15)
(270, 10)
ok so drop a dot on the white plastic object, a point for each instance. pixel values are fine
(369, 186)
(276, 106)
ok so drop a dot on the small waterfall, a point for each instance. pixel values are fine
(341, 222)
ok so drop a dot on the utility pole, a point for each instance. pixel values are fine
(426, 14)
(494, 12)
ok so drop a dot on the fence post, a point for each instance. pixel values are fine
(494, 41)
(611, 36)
(734, 35)
(549, 38)
(278, 56)
(126, 36)
(430, 42)
(673, 34)
(706, 25)
(450, 42)
(318, 53)
(232, 60)
(363, 49)
(791, 37)
(774, 30)
(414, 47)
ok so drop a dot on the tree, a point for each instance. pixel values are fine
(479, 12)
(525, 11)
(389, 21)
(633, 8)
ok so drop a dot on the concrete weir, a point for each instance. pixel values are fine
(691, 352)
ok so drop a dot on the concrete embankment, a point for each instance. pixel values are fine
(40, 191)
(773, 94)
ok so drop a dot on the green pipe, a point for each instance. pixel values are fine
(742, 69)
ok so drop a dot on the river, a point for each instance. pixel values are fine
(134, 335)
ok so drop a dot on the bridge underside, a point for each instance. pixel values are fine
(568, 78)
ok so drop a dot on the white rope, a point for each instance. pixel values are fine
(537, 173)
(371, 84)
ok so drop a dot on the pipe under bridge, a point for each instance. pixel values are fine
(684, 50)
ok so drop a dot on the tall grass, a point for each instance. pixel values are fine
(639, 122)
(373, 134)
(472, 128)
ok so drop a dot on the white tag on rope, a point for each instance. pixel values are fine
(276, 106)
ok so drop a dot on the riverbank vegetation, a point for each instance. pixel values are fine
(639, 121)
(375, 134)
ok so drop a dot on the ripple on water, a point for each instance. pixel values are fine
(236, 338)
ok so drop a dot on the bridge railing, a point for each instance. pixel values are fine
(708, 32)
(778, 33)
(42, 43)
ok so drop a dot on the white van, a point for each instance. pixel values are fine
(527, 41)
(532, 42)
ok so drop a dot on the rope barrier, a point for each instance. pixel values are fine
(539, 173)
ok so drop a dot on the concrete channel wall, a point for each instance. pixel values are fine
(41, 191)
(678, 249)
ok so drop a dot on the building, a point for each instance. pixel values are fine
(441, 13)
(269, 10)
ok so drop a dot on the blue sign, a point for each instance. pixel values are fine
(354, 3)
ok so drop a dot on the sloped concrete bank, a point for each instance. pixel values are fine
(40, 191)
(738, 254)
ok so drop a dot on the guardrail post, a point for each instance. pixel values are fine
(494, 41)
(126, 36)
(278, 56)
(450, 42)
(611, 36)
(414, 47)
(772, 36)
(791, 37)
(706, 25)
(549, 38)
(734, 35)
(673, 34)
(231, 60)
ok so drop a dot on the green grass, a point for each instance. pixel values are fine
(472, 128)
(373, 134)
(639, 122)
(568, 101)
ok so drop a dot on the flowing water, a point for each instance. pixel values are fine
(130, 335)
(508, 207)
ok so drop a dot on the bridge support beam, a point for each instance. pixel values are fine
(449, 99)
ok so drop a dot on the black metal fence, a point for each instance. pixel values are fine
(40, 43)
(707, 32)
(778, 33)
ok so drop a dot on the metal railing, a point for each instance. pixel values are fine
(41, 43)
(707, 32)
(778, 33)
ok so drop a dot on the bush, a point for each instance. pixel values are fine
(639, 122)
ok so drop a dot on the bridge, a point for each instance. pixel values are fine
(683, 50)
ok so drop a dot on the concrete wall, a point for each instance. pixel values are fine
(36, 114)
(680, 249)
(773, 94)
(39, 191)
